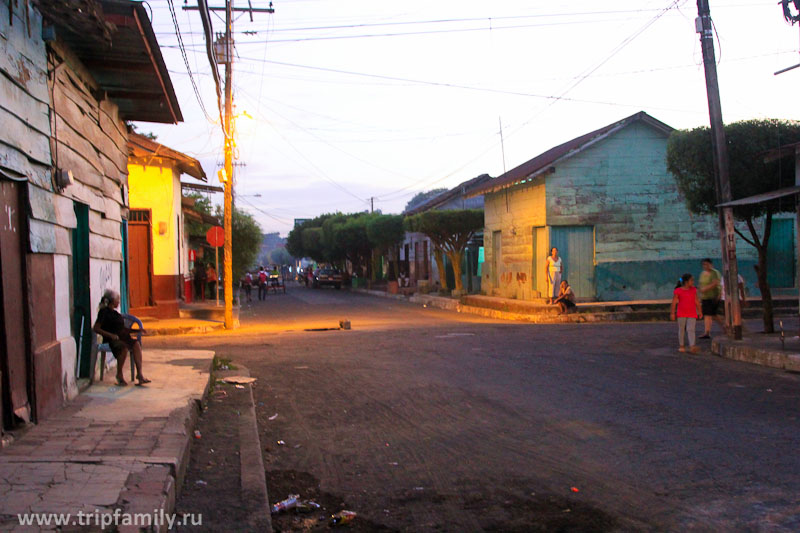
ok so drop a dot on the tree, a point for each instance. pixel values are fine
(450, 231)
(690, 159)
(202, 204)
(422, 197)
(246, 242)
(385, 233)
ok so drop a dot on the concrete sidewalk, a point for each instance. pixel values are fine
(538, 312)
(113, 448)
(761, 349)
(181, 326)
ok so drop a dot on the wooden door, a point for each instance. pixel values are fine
(576, 247)
(139, 258)
(13, 354)
(81, 295)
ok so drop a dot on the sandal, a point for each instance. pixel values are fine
(142, 381)
(682, 349)
(121, 382)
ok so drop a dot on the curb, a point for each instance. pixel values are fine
(253, 477)
(741, 351)
(186, 330)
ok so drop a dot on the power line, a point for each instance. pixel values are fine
(186, 60)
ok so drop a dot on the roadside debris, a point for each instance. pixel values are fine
(273, 417)
(307, 506)
(240, 380)
(575, 489)
(239, 386)
(200, 482)
(284, 505)
(281, 443)
(197, 434)
(342, 518)
(344, 324)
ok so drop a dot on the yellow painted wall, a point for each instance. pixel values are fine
(158, 188)
(514, 213)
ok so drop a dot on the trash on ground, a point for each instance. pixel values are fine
(307, 506)
(200, 482)
(395, 463)
(344, 324)
(301, 367)
(284, 505)
(296, 446)
(575, 489)
(769, 390)
(281, 443)
(211, 450)
(242, 380)
(419, 488)
(273, 417)
(342, 518)
(220, 393)
(239, 386)
(197, 434)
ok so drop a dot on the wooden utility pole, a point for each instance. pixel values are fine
(227, 126)
(228, 208)
(733, 310)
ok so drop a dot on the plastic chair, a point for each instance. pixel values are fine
(104, 348)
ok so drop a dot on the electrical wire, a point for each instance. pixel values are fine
(186, 60)
(205, 17)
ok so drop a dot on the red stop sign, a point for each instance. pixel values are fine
(216, 236)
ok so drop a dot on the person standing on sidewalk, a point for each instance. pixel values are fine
(686, 309)
(247, 282)
(710, 291)
(262, 284)
(199, 282)
(211, 280)
(552, 270)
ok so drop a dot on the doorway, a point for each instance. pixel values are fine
(140, 258)
(14, 361)
(780, 254)
(576, 247)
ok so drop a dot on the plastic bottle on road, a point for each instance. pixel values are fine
(285, 505)
(342, 518)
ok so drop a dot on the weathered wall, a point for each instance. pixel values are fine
(515, 213)
(55, 121)
(645, 237)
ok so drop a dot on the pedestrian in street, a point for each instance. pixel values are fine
(248, 286)
(710, 291)
(566, 298)
(111, 326)
(262, 284)
(686, 309)
(211, 280)
(552, 270)
(199, 282)
(310, 278)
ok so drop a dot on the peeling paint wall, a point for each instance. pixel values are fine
(52, 121)
(515, 213)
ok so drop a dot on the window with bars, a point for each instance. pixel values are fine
(139, 215)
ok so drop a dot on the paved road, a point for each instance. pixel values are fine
(423, 419)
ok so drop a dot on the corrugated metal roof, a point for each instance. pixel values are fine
(463, 188)
(543, 162)
(115, 41)
(763, 197)
(140, 146)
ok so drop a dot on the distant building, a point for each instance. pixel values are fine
(416, 251)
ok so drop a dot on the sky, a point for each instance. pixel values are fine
(351, 103)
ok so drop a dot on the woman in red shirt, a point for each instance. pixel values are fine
(687, 304)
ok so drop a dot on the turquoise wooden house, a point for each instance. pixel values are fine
(608, 203)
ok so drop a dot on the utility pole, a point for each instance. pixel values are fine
(733, 311)
(228, 254)
(227, 58)
(371, 204)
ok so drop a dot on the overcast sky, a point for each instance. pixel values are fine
(355, 99)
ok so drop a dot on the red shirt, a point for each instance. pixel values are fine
(687, 298)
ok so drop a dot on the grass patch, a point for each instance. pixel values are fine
(223, 363)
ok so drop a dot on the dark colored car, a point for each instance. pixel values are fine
(327, 276)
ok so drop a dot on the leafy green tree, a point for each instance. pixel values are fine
(450, 231)
(202, 204)
(690, 160)
(385, 233)
(422, 197)
(246, 242)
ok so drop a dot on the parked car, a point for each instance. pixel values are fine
(327, 276)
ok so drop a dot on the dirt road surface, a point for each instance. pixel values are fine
(426, 420)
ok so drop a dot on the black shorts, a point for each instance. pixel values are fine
(710, 307)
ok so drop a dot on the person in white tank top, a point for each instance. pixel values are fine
(553, 272)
